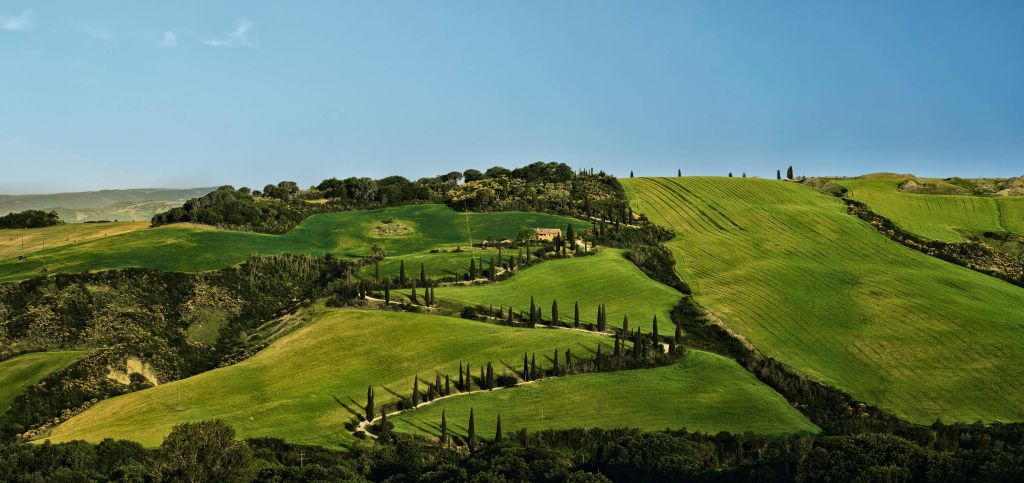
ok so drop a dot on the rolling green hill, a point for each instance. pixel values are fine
(823, 292)
(936, 216)
(606, 277)
(17, 242)
(705, 392)
(191, 248)
(18, 373)
(303, 386)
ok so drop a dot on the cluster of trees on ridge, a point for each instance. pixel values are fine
(30, 219)
(547, 187)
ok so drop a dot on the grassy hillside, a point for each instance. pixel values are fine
(606, 277)
(18, 373)
(822, 291)
(935, 216)
(705, 392)
(15, 242)
(190, 248)
(304, 385)
(96, 199)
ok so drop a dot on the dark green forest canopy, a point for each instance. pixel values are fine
(30, 219)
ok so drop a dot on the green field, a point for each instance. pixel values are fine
(191, 248)
(705, 392)
(303, 386)
(436, 265)
(938, 217)
(17, 242)
(823, 292)
(18, 373)
(606, 277)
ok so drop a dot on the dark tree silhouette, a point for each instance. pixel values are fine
(369, 403)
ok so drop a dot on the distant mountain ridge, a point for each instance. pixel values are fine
(128, 204)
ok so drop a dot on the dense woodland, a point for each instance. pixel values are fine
(30, 219)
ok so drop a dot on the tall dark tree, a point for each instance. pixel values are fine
(401, 272)
(416, 391)
(679, 173)
(778, 174)
(570, 235)
(509, 315)
(554, 366)
(444, 428)
(625, 323)
(533, 311)
(387, 291)
(472, 268)
(679, 334)
(497, 431)
(744, 174)
(526, 367)
(630, 173)
(437, 384)
(490, 376)
(471, 433)
(554, 312)
(447, 385)
(568, 360)
(469, 379)
(618, 346)
(423, 275)
(576, 316)
(789, 172)
(369, 403)
(730, 174)
(492, 274)
(533, 367)
(413, 296)
(655, 343)
(462, 382)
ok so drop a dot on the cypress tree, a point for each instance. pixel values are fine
(483, 379)
(744, 174)
(437, 384)
(492, 275)
(533, 366)
(423, 275)
(625, 323)
(509, 315)
(554, 312)
(401, 272)
(447, 385)
(618, 348)
(369, 403)
(631, 173)
(414, 292)
(533, 311)
(654, 335)
(471, 436)
(679, 334)
(472, 268)
(387, 292)
(444, 429)
(730, 174)
(789, 172)
(376, 270)
(416, 391)
(462, 383)
(540, 316)
(526, 368)
(576, 316)
(384, 421)
(490, 376)
(568, 360)
(778, 175)
(497, 431)
(554, 367)
(469, 379)
(570, 233)
(679, 173)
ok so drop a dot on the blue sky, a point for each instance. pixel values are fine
(143, 94)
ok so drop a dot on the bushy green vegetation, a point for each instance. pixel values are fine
(705, 392)
(948, 218)
(19, 241)
(22, 371)
(30, 219)
(823, 292)
(191, 248)
(606, 277)
(305, 386)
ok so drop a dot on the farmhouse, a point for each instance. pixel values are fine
(547, 234)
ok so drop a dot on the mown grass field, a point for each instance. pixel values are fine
(938, 217)
(436, 265)
(606, 277)
(191, 248)
(17, 242)
(823, 292)
(304, 385)
(705, 392)
(18, 373)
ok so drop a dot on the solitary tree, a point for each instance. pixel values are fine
(554, 312)
(778, 174)
(444, 428)
(789, 172)
(679, 173)
(369, 403)
(416, 391)
(576, 316)
(744, 174)
(631, 173)
(497, 431)
(423, 275)
(462, 382)
(730, 174)
(471, 436)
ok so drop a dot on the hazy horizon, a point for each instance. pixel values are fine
(107, 95)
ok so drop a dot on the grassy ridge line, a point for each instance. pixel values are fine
(606, 277)
(17, 242)
(195, 248)
(305, 386)
(938, 217)
(680, 396)
(823, 292)
(18, 373)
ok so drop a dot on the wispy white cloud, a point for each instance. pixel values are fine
(22, 21)
(239, 36)
(98, 33)
(170, 39)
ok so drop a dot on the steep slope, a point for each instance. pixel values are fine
(18, 373)
(822, 291)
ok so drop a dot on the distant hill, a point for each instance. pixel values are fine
(123, 205)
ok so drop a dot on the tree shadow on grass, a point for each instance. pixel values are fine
(347, 407)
